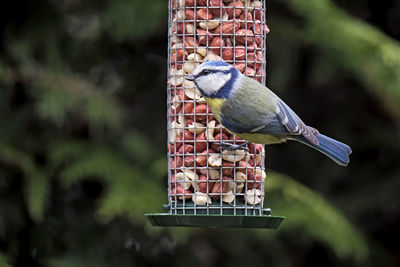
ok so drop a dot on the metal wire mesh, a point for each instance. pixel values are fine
(202, 179)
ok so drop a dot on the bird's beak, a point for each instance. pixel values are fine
(190, 77)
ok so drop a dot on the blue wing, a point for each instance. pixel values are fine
(294, 124)
(283, 122)
(272, 127)
(264, 112)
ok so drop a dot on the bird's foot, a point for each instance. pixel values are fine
(232, 147)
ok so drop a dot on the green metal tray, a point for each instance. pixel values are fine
(214, 219)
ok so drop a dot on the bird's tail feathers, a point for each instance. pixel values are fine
(334, 149)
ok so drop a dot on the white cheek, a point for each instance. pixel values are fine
(213, 82)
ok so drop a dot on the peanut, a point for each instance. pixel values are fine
(204, 14)
(244, 36)
(235, 9)
(201, 198)
(209, 25)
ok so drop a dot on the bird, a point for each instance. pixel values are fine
(253, 112)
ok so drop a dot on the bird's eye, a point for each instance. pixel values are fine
(205, 72)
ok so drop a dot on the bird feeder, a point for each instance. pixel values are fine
(209, 186)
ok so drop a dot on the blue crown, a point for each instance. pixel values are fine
(216, 63)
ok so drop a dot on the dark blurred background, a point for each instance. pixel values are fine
(83, 137)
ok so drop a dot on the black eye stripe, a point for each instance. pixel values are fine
(210, 72)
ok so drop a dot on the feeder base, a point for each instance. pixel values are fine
(214, 221)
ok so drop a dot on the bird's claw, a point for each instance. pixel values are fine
(232, 147)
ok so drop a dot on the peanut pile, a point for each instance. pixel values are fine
(202, 30)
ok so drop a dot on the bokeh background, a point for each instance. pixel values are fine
(83, 137)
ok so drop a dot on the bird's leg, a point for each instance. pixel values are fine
(232, 147)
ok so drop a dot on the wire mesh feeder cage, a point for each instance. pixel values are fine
(207, 186)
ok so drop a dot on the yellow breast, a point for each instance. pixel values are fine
(215, 104)
(267, 139)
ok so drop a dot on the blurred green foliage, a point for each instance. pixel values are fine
(309, 211)
(82, 140)
(371, 56)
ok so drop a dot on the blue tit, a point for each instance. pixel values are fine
(251, 111)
